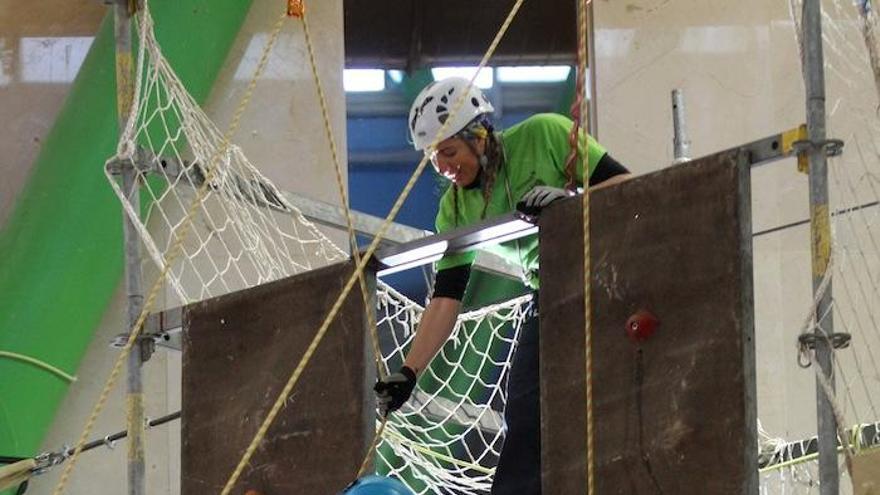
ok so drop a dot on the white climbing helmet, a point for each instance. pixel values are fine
(431, 109)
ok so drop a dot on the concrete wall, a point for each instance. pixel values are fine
(282, 134)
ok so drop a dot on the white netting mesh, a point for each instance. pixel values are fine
(447, 438)
(796, 479)
(854, 182)
(244, 232)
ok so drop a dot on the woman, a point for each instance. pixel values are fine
(492, 173)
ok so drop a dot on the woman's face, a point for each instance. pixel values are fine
(456, 161)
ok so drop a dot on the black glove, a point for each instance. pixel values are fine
(538, 198)
(393, 391)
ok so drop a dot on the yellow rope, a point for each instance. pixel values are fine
(282, 397)
(588, 310)
(352, 235)
(373, 444)
(176, 250)
(39, 364)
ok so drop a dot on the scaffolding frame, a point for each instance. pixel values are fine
(814, 76)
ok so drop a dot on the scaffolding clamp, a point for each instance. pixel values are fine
(48, 460)
(145, 342)
(837, 340)
(797, 141)
(807, 342)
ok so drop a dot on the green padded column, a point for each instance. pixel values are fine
(61, 256)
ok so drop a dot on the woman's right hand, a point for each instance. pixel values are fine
(394, 390)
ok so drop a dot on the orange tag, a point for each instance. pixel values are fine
(295, 8)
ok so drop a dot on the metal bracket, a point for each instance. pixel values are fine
(146, 343)
(832, 147)
(109, 443)
(793, 142)
(48, 460)
(807, 342)
(145, 162)
(116, 165)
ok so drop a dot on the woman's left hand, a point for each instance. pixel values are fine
(539, 197)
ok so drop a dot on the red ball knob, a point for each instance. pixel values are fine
(641, 326)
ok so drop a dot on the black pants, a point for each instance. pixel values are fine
(519, 467)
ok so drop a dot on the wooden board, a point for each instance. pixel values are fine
(240, 350)
(866, 473)
(675, 415)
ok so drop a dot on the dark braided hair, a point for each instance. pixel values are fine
(481, 127)
(494, 157)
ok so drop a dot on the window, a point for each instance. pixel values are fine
(363, 80)
(484, 78)
(533, 73)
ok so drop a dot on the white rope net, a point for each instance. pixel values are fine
(852, 68)
(447, 438)
(245, 232)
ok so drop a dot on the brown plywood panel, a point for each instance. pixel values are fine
(675, 414)
(866, 473)
(239, 351)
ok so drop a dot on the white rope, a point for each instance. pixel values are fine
(245, 232)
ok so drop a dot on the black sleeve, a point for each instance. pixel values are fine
(607, 168)
(452, 282)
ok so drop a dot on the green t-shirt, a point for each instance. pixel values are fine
(535, 151)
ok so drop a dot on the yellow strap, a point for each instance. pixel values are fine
(792, 136)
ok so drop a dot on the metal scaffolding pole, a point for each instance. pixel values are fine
(123, 10)
(680, 141)
(814, 77)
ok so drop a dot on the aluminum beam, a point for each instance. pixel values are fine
(423, 251)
